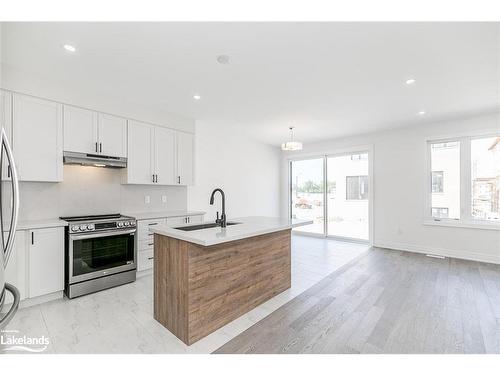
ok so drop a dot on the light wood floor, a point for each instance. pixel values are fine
(387, 301)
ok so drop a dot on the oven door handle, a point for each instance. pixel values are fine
(100, 234)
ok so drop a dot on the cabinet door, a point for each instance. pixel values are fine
(140, 168)
(46, 261)
(15, 273)
(196, 219)
(37, 138)
(185, 159)
(164, 155)
(176, 221)
(6, 123)
(80, 130)
(112, 135)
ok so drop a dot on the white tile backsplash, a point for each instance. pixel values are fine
(91, 190)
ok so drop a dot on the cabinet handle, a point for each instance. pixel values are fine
(150, 234)
(189, 220)
(8, 171)
(100, 146)
(32, 238)
(178, 179)
(96, 147)
(151, 258)
(153, 224)
(153, 178)
(151, 244)
(156, 178)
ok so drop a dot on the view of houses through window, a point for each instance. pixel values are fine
(485, 175)
(346, 195)
(447, 167)
(445, 180)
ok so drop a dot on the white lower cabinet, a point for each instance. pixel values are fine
(45, 261)
(145, 239)
(184, 220)
(15, 273)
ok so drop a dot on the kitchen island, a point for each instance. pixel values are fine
(206, 278)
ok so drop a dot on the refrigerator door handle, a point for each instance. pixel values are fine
(15, 305)
(15, 197)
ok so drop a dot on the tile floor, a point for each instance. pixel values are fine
(120, 320)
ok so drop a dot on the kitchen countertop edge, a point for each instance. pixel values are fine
(211, 238)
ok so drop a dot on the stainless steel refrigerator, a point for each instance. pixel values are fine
(7, 235)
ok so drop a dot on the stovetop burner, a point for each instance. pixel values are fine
(90, 217)
(95, 223)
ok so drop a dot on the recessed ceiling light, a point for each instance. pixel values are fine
(69, 48)
(421, 113)
(196, 97)
(410, 81)
(223, 59)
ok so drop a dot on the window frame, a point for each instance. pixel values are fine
(466, 219)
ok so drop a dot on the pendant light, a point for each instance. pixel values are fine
(291, 145)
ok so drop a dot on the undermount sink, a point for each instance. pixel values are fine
(205, 226)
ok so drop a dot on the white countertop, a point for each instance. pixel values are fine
(41, 223)
(249, 227)
(160, 214)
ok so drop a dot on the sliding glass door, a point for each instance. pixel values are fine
(307, 194)
(333, 192)
(348, 196)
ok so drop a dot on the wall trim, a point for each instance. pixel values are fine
(459, 254)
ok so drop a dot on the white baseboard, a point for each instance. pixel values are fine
(28, 302)
(460, 254)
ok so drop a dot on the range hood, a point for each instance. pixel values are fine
(94, 160)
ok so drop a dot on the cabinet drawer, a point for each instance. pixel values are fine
(145, 244)
(143, 226)
(184, 220)
(145, 260)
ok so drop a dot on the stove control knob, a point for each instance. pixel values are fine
(91, 227)
(75, 228)
(83, 227)
(126, 223)
(132, 223)
(119, 224)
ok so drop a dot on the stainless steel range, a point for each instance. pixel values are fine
(100, 253)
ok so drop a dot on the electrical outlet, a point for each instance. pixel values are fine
(164, 199)
(147, 199)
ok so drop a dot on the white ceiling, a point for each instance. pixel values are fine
(327, 79)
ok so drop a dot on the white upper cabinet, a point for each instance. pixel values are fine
(140, 162)
(80, 130)
(185, 159)
(112, 135)
(164, 145)
(151, 154)
(37, 133)
(6, 123)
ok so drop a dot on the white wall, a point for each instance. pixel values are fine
(90, 190)
(399, 175)
(248, 171)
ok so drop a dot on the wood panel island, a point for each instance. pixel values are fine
(206, 278)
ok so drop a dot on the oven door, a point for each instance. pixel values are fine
(99, 254)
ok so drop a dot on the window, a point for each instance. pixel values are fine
(485, 178)
(445, 160)
(464, 179)
(437, 181)
(357, 187)
(440, 212)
